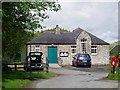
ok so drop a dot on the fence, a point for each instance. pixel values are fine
(21, 66)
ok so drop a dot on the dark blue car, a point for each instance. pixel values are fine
(82, 60)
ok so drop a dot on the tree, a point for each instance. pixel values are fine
(19, 19)
(37, 34)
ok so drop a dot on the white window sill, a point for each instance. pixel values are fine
(93, 54)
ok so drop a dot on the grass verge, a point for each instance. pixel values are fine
(115, 76)
(111, 76)
(18, 79)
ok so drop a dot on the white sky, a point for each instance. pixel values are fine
(95, 16)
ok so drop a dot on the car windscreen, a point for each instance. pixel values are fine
(84, 55)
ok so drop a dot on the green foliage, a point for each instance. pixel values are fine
(19, 20)
(110, 68)
(115, 76)
(112, 45)
(114, 53)
(19, 78)
(48, 30)
(17, 83)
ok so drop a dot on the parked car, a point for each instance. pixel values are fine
(33, 61)
(81, 60)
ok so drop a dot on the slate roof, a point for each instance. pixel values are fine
(116, 48)
(95, 40)
(52, 38)
(64, 38)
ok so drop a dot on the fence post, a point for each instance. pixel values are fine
(15, 67)
(47, 65)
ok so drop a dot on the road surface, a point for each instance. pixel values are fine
(75, 79)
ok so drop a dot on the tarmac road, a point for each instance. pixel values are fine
(70, 78)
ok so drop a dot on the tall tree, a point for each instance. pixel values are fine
(19, 19)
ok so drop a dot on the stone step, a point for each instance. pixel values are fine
(54, 66)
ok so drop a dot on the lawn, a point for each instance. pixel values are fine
(18, 79)
(116, 75)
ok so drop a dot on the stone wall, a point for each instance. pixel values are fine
(102, 56)
(88, 42)
(65, 48)
(43, 48)
(60, 48)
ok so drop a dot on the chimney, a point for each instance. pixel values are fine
(57, 30)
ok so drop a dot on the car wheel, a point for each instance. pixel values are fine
(89, 66)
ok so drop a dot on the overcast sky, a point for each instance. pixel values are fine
(98, 18)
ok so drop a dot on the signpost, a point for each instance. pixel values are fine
(114, 59)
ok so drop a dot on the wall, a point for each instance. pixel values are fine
(61, 48)
(65, 48)
(43, 48)
(81, 36)
(102, 56)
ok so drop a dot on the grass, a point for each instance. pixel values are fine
(111, 76)
(115, 76)
(16, 83)
(110, 68)
(18, 79)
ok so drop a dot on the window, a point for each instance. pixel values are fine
(37, 48)
(84, 45)
(73, 49)
(94, 49)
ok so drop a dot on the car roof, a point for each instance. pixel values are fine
(82, 54)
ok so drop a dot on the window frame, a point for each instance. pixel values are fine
(84, 42)
(94, 47)
(73, 49)
(37, 48)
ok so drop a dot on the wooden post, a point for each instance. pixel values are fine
(47, 65)
(15, 67)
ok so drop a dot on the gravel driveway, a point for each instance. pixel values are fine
(72, 77)
(94, 68)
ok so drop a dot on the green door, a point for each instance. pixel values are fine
(52, 55)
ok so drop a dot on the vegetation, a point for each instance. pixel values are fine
(115, 76)
(48, 30)
(19, 21)
(18, 79)
(112, 45)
